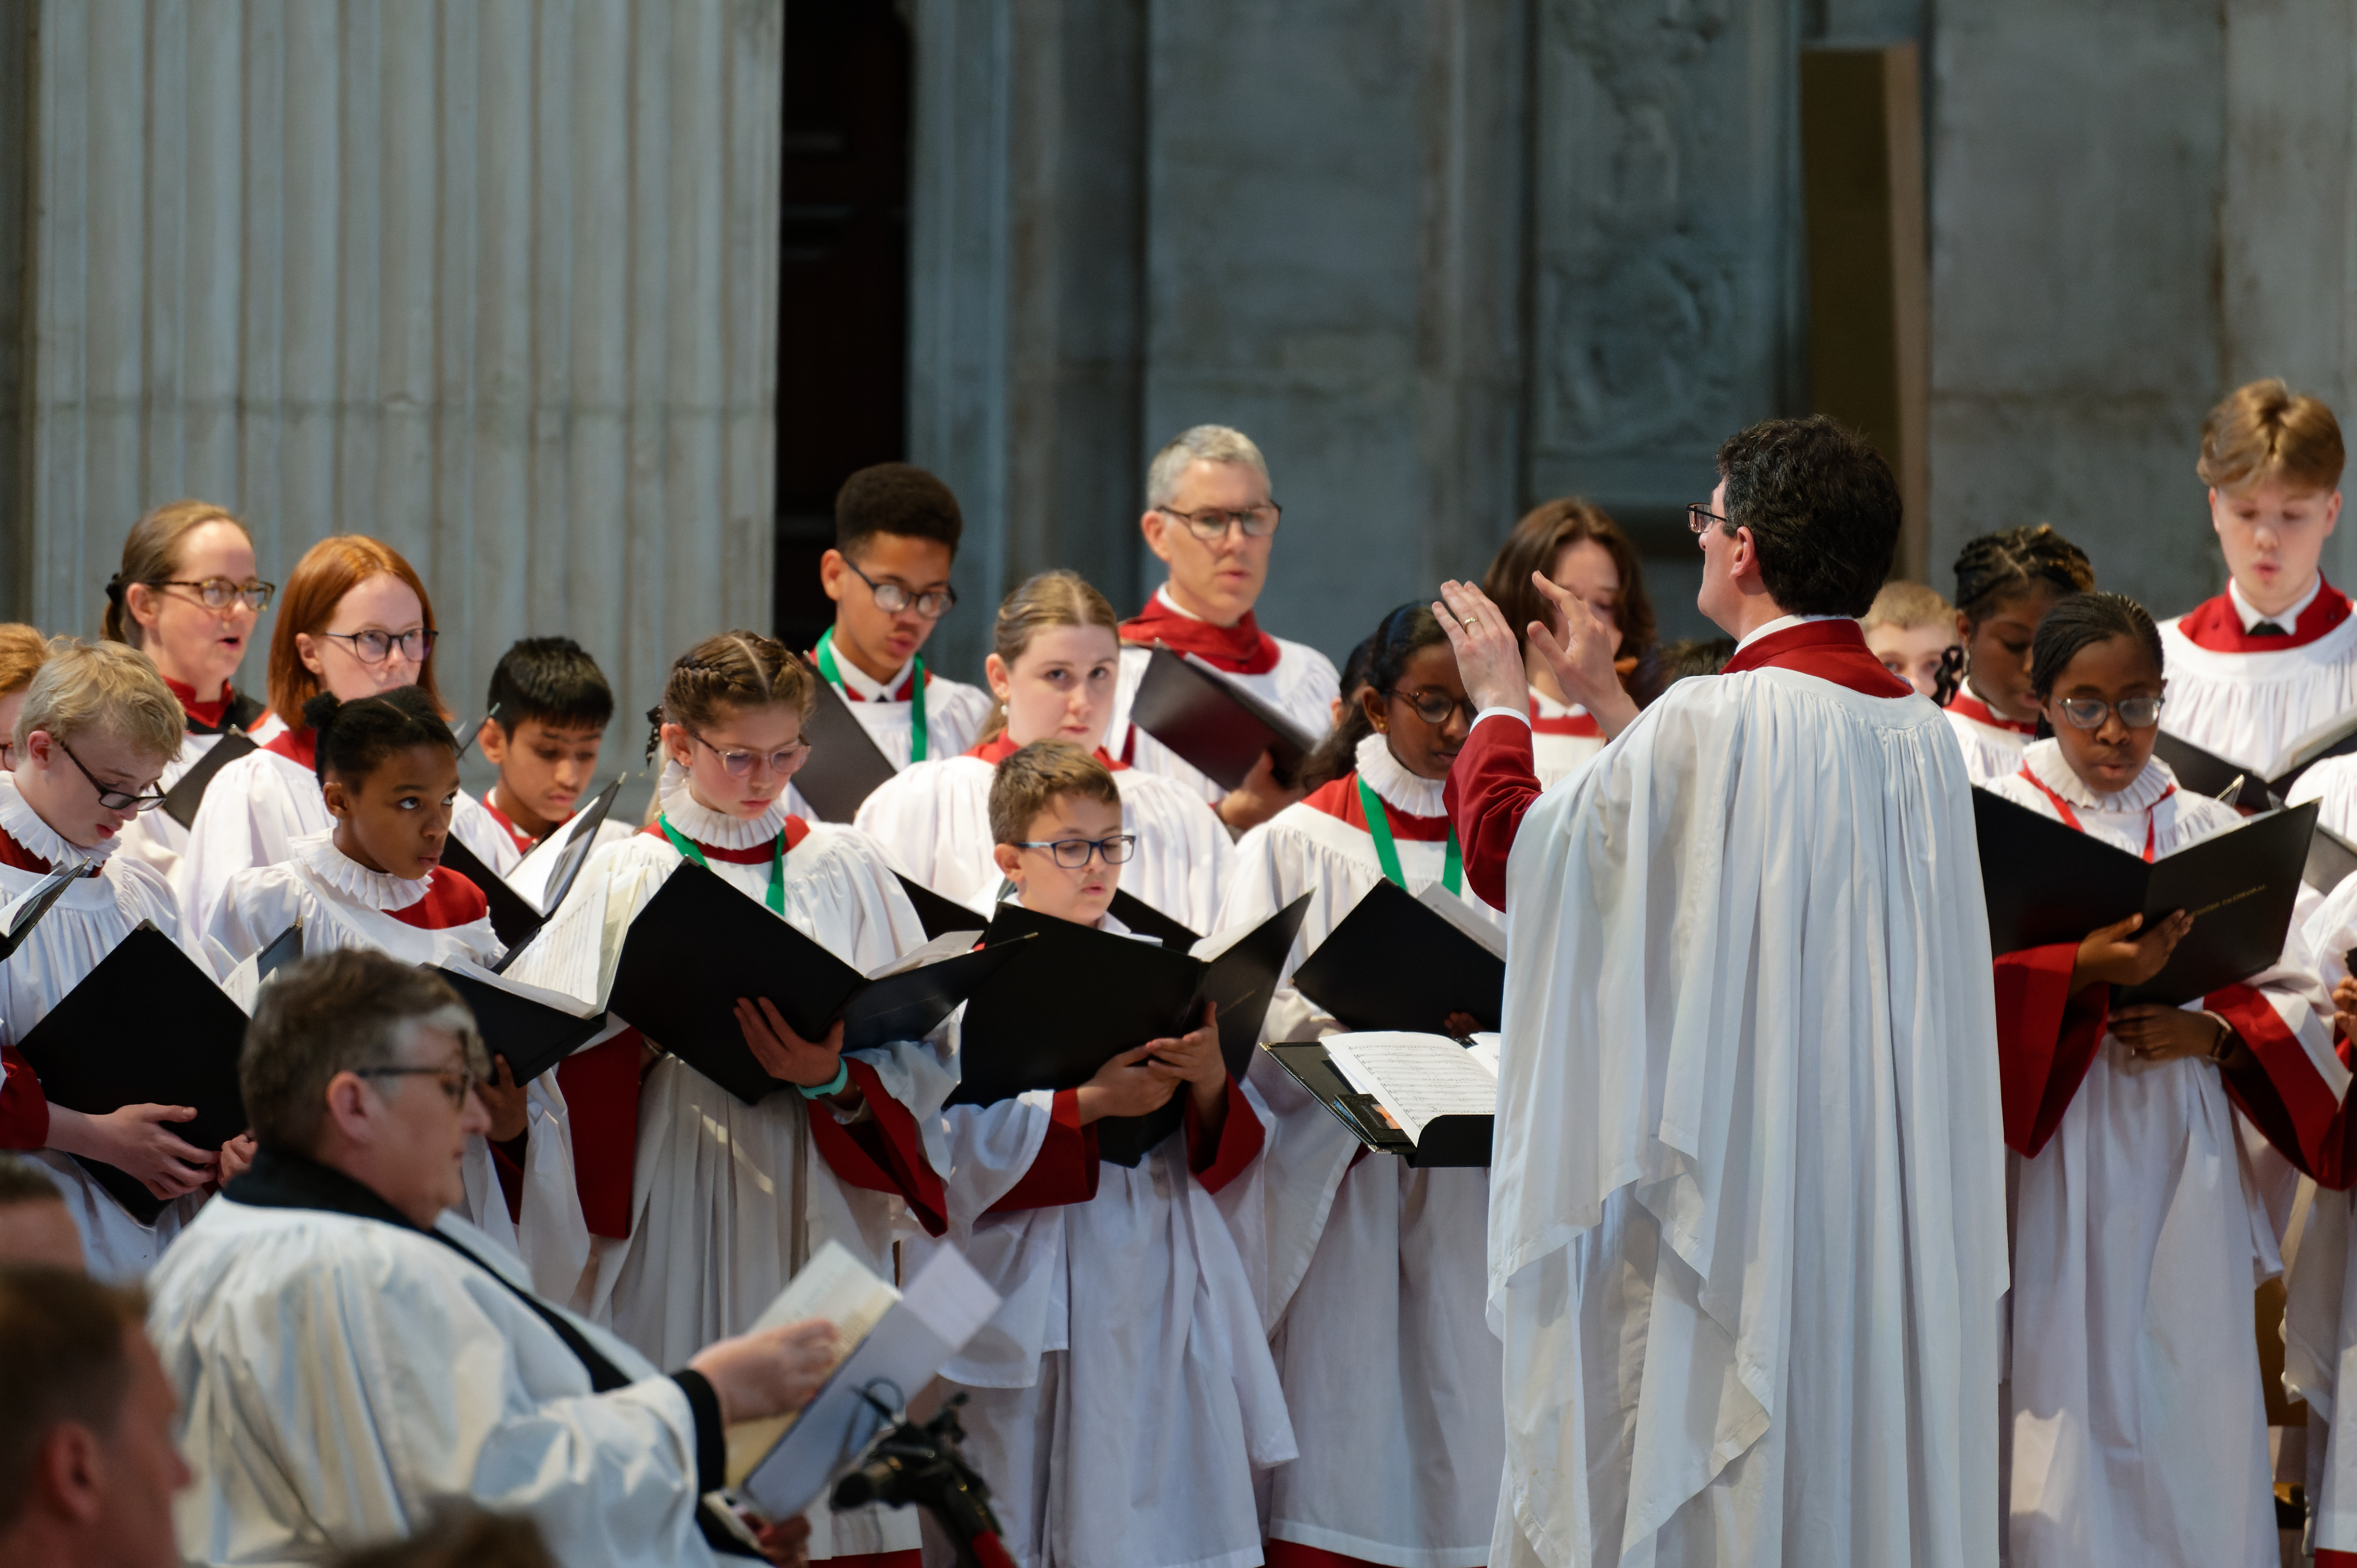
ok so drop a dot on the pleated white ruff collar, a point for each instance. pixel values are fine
(706, 826)
(1394, 785)
(24, 824)
(2044, 760)
(372, 889)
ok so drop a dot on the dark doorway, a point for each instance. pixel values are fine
(843, 279)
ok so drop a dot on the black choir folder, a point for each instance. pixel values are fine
(1453, 1140)
(1079, 997)
(1401, 962)
(2207, 773)
(25, 911)
(845, 766)
(100, 1049)
(519, 911)
(1216, 726)
(2046, 883)
(699, 945)
(534, 1027)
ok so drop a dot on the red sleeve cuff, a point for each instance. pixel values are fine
(2285, 1099)
(2045, 1039)
(1219, 1161)
(600, 1087)
(24, 1108)
(1065, 1169)
(1490, 790)
(883, 1154)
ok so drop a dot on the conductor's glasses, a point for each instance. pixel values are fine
(1699, 516)
(1433, 706)
(739, 764)
(2087, 713)
(1212, 526)
(893, 599)
(376, 647)
(458, 1082)
(219, 593)
(114, 800)
(1074, 854)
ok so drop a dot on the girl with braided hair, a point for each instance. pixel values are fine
(2006, 582)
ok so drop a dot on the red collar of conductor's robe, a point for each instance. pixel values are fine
(2214, 624)
(1491, 786)
(1002, 746)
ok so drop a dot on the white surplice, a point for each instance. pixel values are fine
(955, 714)
(1303, 685)
(1370, 1272)
(1747, 1225)
(722, 1189)
(935, 822)
(1124, 1396)
(2140, 1230)
(88, 922)
(152, 836)
(1992, 747)
(1564, 735)
(257, 806)
(337, 1375)
(2249, 707)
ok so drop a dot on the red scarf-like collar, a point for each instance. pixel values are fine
(997, 750)
(1833, 650)
(1240, 650)
(299, 745)
(13, 854)
(1980, 713)
(2213, 624)
(796, 831)
(450, 901)
(1339, 800)
(208, 715)
(523, 841)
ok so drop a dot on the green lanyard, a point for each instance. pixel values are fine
(1379, 823)
(832, 674)
(776, 895)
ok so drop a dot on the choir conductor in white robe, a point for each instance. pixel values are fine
(346, 1351)
(1746, 1209)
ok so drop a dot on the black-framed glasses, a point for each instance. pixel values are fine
(2088, 712)
(1074, 854)
(892, 598)
(458, 1082)
(219, 593)
(374, 647)
(1699, 516)
(1435, 706)
(739, 764)
(1211, 527)
(114, 800)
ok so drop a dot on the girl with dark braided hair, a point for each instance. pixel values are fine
(2140, 1224)
(2006, 582)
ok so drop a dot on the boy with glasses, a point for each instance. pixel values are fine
(1211, 519)
(896, 537)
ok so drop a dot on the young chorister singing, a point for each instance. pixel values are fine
(355, 623)
(895, 538)
(1575, 545)
(97, 730)
(2006, 582)
(1375, 1271)
(2137, 1431)
(1124, 1398)
(2275, 656)
(549, 706)
(187, 596)
(1054, 667)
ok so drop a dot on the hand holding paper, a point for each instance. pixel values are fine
(769, 1371)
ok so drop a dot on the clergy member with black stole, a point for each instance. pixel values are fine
(346, 1351)
(1746, 1223)
(896, 537)
(1210, 518)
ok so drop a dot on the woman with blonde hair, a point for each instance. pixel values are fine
(1054, 667)
(187, 596)
(356, 622)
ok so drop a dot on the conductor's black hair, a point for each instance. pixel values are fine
(895, 498)
(552, 679)
(1996, 568)
(1823, 510)
(354, 737)
(2079, 622)
(1399, 636)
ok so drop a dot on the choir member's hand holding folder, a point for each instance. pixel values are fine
(699, 945)
(1215, 725)
(2047, 884)
(522, 901)
(1408, 962)
(100, 1049)
(1077, 997)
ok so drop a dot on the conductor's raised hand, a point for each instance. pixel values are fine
(769, 1371)
(783, 1054)
(2117, 954)
(1582, 658)
(1489, 655)
(1127, 1085)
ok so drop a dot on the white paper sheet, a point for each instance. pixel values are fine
(564, 955)
(1416, 1077)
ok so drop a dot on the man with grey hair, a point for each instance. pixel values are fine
(1210, 516)
(348, 1351)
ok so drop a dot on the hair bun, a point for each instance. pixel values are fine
(114, 590)
(321, 711)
